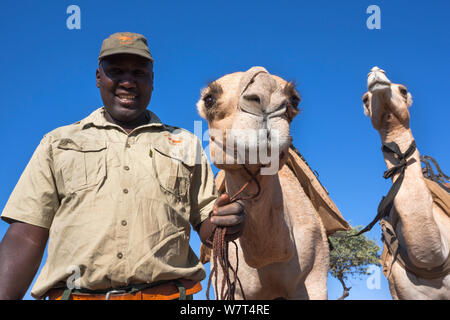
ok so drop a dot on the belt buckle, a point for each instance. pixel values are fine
(109, 293)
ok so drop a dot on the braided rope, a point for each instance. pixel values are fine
(220, 252)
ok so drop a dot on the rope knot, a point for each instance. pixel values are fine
(400, 167)
(392, 147)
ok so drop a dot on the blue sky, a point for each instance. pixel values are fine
(48, 78)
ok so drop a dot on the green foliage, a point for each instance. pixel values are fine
(351, 256)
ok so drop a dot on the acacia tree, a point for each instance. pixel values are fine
(351, 256)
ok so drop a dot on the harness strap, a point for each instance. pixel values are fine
(392, 147)
(386, 203)
(440, 178)
(66, 294)
(181, 289)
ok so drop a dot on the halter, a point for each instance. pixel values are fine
(260, 113)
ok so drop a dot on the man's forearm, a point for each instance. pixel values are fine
(21, 253)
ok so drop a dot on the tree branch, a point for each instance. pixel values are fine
(346, 293)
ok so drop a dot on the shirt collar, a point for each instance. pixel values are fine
(97, 118)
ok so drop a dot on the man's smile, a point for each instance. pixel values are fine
(127, 99)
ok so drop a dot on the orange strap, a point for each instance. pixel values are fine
(166, 291)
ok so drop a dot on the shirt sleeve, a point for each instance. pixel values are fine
(34, 199)
(203, 191)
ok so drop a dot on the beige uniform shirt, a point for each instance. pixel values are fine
(119, 206)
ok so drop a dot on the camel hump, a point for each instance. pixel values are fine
(440, 196)
(327, 210)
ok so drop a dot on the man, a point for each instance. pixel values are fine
(115, 194)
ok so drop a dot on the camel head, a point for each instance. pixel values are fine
(249, 115)
(386, 103)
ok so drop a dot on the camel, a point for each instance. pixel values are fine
(283, 251)
(416, 228)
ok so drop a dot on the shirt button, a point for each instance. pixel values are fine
(128, 145)
(126, 168)
(125, 190)
(120, 255)
(124, 223)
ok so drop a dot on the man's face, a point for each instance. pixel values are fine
(126, 84)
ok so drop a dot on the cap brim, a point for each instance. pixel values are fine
(138, 52)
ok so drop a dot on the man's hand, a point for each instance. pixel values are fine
(229, 215)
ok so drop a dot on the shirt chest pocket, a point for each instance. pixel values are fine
(82, 164)
(174, 175)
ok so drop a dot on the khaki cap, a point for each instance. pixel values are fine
(125, 42)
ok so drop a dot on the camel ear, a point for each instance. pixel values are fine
(201, 105)
(409, 100)
(201, 108)
(366, 111)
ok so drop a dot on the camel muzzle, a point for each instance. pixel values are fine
(259, 96)
(377, 80)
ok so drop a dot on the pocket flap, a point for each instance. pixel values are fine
(82, 146)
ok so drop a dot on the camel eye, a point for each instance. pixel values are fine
(403, 91)
(294, 100)
(209, 100)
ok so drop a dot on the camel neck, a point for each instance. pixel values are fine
(265, 216)
(401, 136)
(414, 205)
